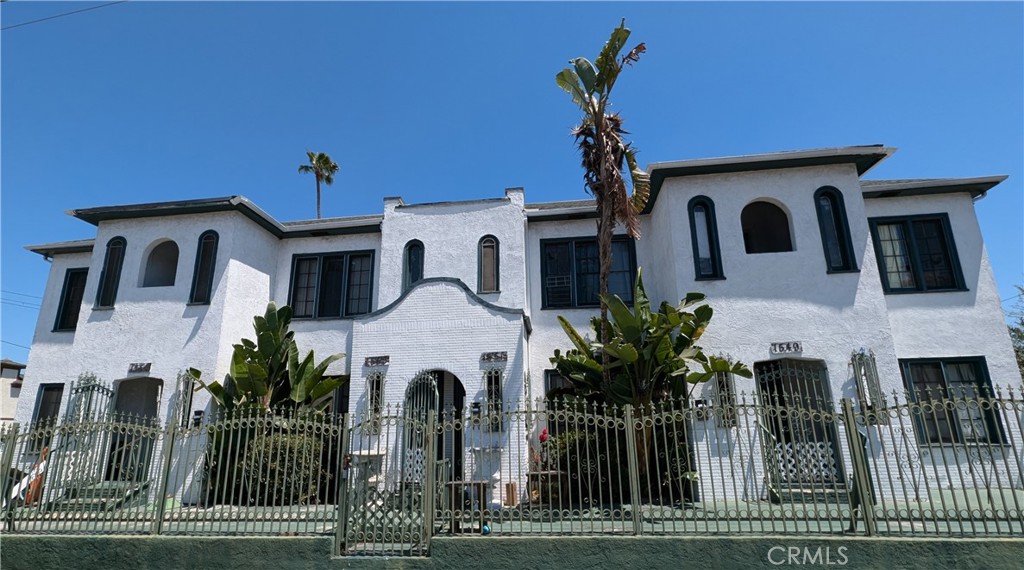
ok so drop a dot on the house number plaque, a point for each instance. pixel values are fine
(139, 367)
(786, 347)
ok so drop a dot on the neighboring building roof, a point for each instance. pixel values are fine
(566, 210)
(976, 186)
(10, 364)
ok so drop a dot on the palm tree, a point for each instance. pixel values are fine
(608, 160)
(323, 168)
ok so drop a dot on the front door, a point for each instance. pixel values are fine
(799, 419)
(131, 447)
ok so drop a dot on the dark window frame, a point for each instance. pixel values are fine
(725, 400)
(64, 311)
(572, 243)
(555, 381)
(407, 277)
(712, 237)
(494, 399)
(110, 275)
(344, 312)
(847, 262)
(914, 255)
(994, 431)
(43, 434)
(199, 291)
(480, 265)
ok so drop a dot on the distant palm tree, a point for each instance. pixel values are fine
(323, 168)
(609, 162)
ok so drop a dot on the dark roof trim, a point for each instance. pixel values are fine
(977, 187)
(864, 157)
(404, 206)
(48, 250)
(453, 281)
(241, 204)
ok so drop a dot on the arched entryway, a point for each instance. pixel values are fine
(442, 392)
(136, 407)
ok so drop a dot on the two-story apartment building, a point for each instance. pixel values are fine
(803, 261)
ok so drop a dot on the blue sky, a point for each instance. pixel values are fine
(152, 101)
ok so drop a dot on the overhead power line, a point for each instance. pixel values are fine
(62, 15)
(20, 294)
(22, 304)
(15, 344)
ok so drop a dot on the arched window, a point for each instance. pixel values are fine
(835, 231)
(487, 280)
(161, 265)
(413, 266)
(106, 294)
(707, 259)
(202, 277)
(765, 228)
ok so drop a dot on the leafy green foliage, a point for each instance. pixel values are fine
(608, 160)
(653, 355)
(1016, 327)
(284, 468)
(268, 374)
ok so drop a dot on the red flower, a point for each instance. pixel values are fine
(544, 435)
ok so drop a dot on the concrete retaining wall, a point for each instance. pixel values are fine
(707, 552)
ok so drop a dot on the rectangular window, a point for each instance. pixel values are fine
(339, 400)
(869, 387)
(495, 405)
(71, 300)
(374, 402)
(570, 269)
(916, 254)
(956, 391)
(725, 400)
(45, 417)
(554, 381)
(331, 285)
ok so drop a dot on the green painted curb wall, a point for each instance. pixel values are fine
(22, 552)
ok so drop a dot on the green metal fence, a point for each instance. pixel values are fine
(385, 484)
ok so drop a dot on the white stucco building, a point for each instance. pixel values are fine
(802, 259)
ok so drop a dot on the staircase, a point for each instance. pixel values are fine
(103, 496)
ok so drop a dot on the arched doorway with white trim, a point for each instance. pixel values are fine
(442, 392)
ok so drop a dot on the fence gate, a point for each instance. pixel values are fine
(390, 476)
(800, 436)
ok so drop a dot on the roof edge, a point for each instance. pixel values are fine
(864, 157)
(977, 187)
(48, 250)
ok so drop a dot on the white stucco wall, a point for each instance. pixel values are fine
(155, 324)
(954, 323)
(451, 233)
(787, 296)
(52, 357)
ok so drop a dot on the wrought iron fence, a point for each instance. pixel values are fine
(385, 484)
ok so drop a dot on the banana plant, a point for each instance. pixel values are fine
(267, 373)
(652, 355)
